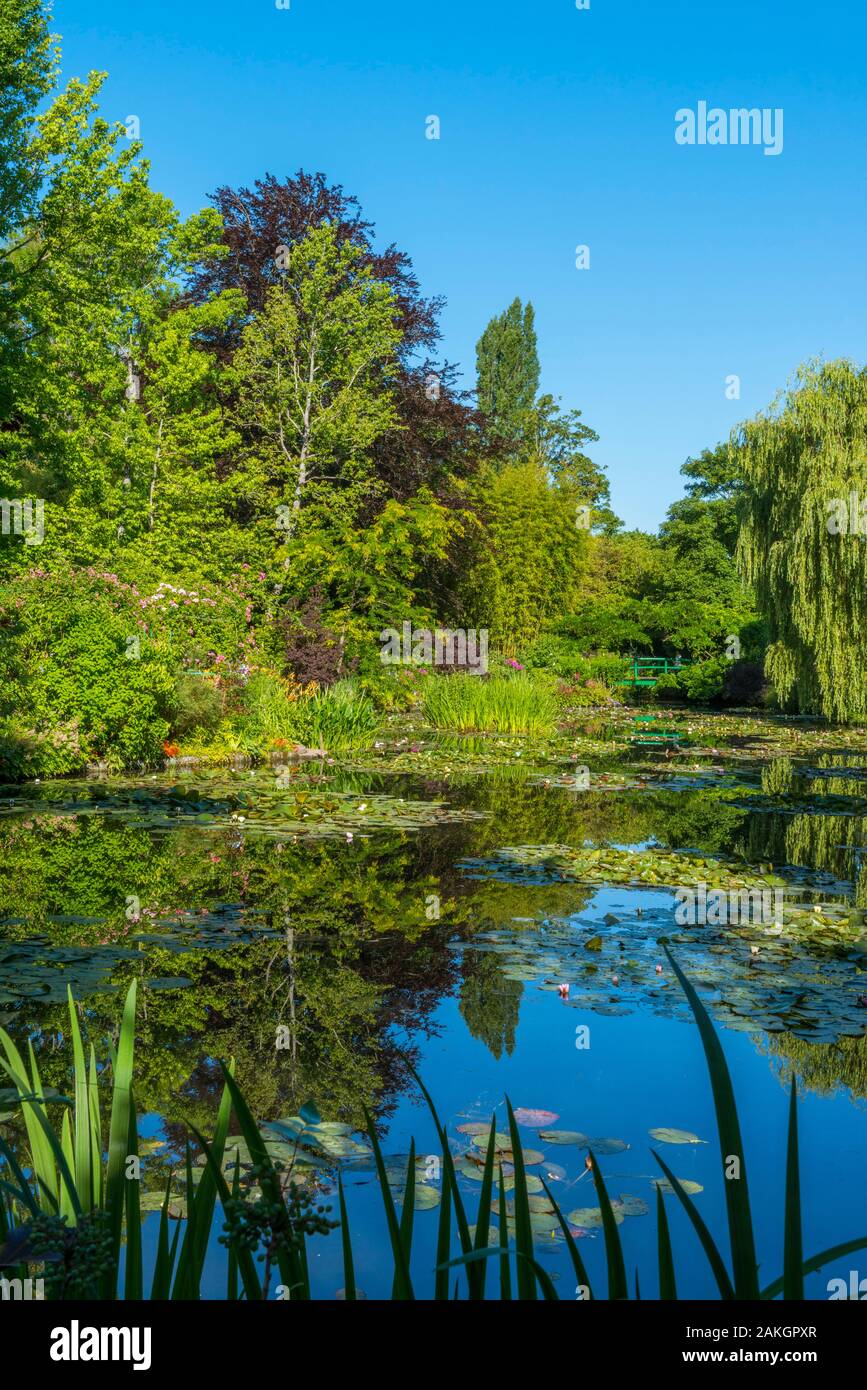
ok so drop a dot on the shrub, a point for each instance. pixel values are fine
(745, 684)
(199, 704)
(80, 672)
(586, 694)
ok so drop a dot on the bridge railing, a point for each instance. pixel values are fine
(646, 670)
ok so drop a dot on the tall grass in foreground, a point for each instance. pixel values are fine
(338, 719)
(74, 1175)
(497, 704)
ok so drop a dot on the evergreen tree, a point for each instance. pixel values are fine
(507, 370)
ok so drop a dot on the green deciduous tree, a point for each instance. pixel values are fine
(311, 377)
(802, 461)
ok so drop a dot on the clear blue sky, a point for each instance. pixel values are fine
(557, 128)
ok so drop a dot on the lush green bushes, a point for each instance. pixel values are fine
(81, 678)
(717, 681)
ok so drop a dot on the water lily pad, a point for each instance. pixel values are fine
(606, 1146)
(631, 1206)
(675, 1136)
(535, 1118)
(590, 1218)
(502, 1142)
(687, 1184)
(563, 1136)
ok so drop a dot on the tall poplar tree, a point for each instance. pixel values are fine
(803, 544)
(507, 370)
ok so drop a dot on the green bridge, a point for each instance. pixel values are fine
(646, 670)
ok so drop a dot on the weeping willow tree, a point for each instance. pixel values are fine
(801, 544)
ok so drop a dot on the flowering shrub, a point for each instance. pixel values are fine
(586, 694)
(80, 672)
(94, 667)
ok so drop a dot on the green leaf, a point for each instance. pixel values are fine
(793, 1253)
(744, 1264)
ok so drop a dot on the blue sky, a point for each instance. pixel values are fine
(557, 129)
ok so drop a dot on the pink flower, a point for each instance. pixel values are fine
(563, 991)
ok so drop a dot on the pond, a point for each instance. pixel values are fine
(484, 913)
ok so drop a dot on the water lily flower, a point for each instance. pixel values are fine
(563, 991)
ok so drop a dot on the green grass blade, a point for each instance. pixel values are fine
(203, 1198)
(577, 1263)
(133, 1273)
(743, 1249)
(350, 1292)
(667, 1284)
(483, 1212)
(95, 1131)
(246, 1263)
(162, 1278)
(617, 1286)
(523, 1227)
(715, 1259)
(444, 1240)
(816, 1262)
(505, 1267)
(121, 1100)
(537, 1273)
(293, 1271)
(407, 1214)
(41, 1154)
(402, 1288)
(84, 1159)
(56, 1166)
(793, 1249)
(67, 1143)
(450, 1176)
(232, 1254)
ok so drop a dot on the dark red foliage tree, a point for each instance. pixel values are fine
(440, 435)
(259, 220)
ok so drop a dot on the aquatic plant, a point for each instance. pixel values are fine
(502, 705)
(339, 718)
(71, 1210)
